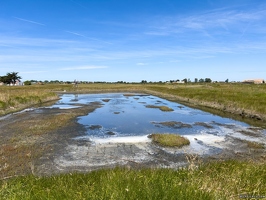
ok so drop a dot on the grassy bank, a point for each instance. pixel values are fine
(240, 99)
(16, 98)
(247, 100)
(222, 180)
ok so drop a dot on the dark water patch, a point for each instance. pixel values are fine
(106, 100)
(172, 124)
(229, 126)
(203, 124)
(250, 133)
(255, 128)
(142, 102)
(94, 127)
(110, 133)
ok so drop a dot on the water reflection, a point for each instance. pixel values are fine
(129, 115)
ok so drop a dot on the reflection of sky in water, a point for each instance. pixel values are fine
(127, 115)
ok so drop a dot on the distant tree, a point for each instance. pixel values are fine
(13, 76)
(4, 79)
(143, 81)
(196, 80)
(10, 78)
(184, 80)
(27, 82)
(226, 81)
(208, 80)
(201, 80)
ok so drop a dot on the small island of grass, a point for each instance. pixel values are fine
(162, 108)
(169, 140)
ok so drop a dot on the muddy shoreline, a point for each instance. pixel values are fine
(57, 151)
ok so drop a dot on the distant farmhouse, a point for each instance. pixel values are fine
(254, 81)
(11, 84)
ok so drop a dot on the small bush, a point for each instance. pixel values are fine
(27, 82)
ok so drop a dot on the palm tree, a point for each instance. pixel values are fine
(11, 77)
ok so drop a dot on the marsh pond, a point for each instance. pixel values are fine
(115, 133)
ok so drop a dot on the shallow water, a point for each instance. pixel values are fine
(127, 115)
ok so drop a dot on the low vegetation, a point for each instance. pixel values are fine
(255, 145)
(217, 180)
(247, 100)
(16, 98)
(212, 180)
(169, 140)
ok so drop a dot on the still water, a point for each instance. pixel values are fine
(128, 115)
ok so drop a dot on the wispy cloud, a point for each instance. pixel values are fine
(83, 68)
(29, 21)
(74, 33)
(81, 5)
(90, 38)
(214, 21)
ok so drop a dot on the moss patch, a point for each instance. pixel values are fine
(169, 140)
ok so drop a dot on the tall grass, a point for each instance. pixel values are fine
(15, 98)
(221, 180)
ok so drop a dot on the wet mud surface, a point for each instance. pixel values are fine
(65, 149)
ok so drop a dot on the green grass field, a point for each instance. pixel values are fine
(212, 180)
(218, 180)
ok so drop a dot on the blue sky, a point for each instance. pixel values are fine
(133, 40)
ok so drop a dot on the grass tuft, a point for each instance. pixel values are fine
(169, 140)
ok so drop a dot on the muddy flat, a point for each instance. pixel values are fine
(46, 141)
